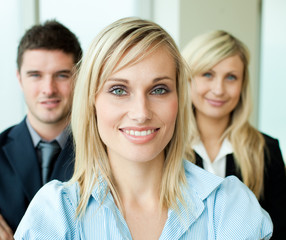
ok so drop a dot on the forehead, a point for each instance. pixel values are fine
(233, 61)
(158, 61)
(46, 59)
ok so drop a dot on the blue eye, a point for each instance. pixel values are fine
(231, 77)
(34, 75)
(63, 76)
(118, 91)
(207, 75)
(159, 91)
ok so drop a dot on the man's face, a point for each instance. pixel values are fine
(46, 80)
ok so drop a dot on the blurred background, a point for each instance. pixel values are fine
(260, 24)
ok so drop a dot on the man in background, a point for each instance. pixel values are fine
(40, 148)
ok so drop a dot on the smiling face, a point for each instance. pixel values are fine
(137, 108)
(46, 80)
(216, 93)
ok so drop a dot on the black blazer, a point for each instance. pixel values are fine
(274, 201)
(20, 172)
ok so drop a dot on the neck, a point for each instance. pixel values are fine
(48, 131)
(138, 185)
(211, 128)
(137, 181)
(211, 131)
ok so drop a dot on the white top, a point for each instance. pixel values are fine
(218, 166)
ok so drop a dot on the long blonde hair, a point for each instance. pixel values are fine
(122, 44)
(201, 54)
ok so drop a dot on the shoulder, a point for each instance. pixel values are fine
(207, 184)
(200, 180)
(57, 192)
(13, 132)
(270, 141)
(272, 147)
(273, 154)
(233, 209)
(4, 135)
(56, 203)
(236, 211)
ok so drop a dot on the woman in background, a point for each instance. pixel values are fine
(130, 121)
(222, 139)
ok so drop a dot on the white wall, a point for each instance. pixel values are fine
(85, 17)
(272, 107)
(11, 99)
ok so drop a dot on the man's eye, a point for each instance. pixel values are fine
(159, 91)
(63, 76)
(34, 75)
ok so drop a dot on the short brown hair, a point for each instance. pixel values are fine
(51, 35)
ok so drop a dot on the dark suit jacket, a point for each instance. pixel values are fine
(274, 201)
(20, 172)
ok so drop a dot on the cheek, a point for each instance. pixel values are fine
(103, 123)
(107, 116)
(235, 93)
(31, 90)
(199, 88)
(171, 114)
(65, 88)
(195, 96)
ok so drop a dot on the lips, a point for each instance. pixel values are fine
(216, 103)
(139, 136)
(50, 103)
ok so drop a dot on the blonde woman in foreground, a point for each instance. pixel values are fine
(222, 138)
(130, 123)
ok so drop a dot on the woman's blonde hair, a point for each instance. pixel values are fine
(121, 44)
(201, 54)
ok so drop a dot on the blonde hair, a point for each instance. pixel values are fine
(201, 54)
(122, 44)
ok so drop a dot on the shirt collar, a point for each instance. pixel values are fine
(200, 184)
(226, 148)
(61, 138)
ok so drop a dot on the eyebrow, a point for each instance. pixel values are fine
(158, 79)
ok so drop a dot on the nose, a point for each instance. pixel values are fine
(140, 109)
(218, 86)
(48, 86)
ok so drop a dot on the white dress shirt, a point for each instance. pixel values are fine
(218, 166)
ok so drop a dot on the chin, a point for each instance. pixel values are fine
(53, 119)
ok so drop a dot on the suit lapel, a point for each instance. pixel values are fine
(199, 160)
(231, 168)
(22, 157)
(64, 165)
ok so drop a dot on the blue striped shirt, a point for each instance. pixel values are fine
(217, 209)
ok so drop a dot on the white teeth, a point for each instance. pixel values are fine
(139, 133)
(143, 133)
